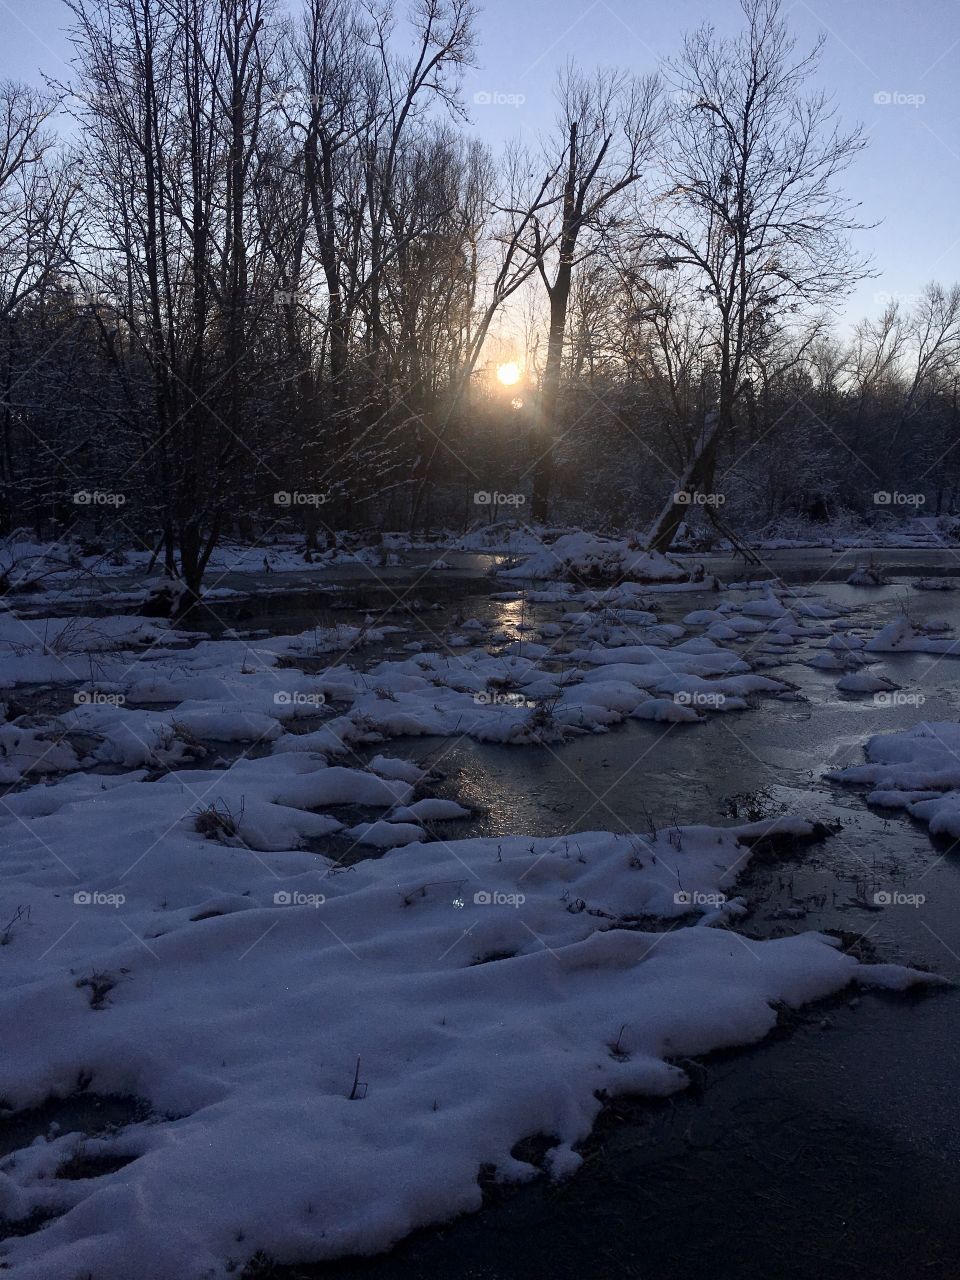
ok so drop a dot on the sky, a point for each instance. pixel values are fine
(893, 65)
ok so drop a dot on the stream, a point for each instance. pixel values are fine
(832, 1146)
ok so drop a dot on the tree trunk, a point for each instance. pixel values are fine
(559, 294)
(545, 436)
(697, 478)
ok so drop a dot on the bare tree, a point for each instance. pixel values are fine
(604, 138)
(752, 215)
(37, 222)
(172, 98)
(39, 213)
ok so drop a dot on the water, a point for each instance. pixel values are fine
(798, 1159)
(830, 1148)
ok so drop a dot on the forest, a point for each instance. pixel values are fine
(259, 272)
(479, 598)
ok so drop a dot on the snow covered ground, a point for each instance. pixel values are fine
(73, 569)
(222, 895)
(593, 551)
(331, 1058)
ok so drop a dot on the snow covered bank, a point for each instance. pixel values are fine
(27, 565)
(852, 533)
(332, 1057)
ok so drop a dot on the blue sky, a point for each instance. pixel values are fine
(908, 180)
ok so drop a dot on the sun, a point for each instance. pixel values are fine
(509, 373)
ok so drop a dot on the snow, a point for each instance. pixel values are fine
(331, 1052)
(901, 636)
(501, 536)
(917, 770)
(585, 556)
(150, 696)
(472, 989)
(405, 770)
(25, 751)
(865, 682)
(851, 533)
(867, 575)
(385, 835)
(665, 711)
(431, 809)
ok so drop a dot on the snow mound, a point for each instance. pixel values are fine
(332, 1058)
(589, 557)
(867, 575)
(865, 682)
(901, 636)
(917, 770)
